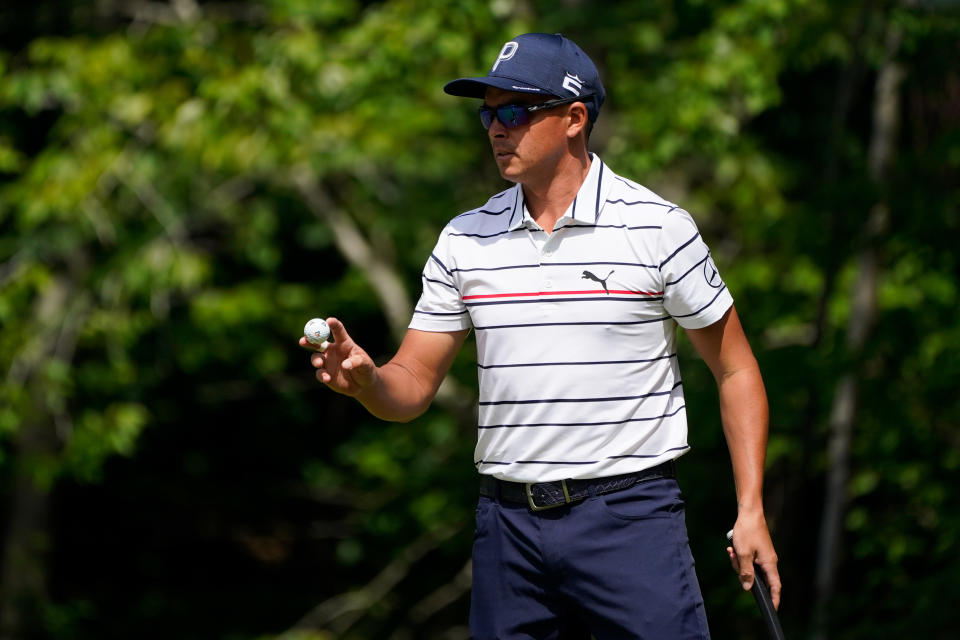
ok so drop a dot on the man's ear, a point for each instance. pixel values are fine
(578, 119)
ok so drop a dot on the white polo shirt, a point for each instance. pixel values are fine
(576, 330)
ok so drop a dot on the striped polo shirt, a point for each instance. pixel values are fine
(576, 329)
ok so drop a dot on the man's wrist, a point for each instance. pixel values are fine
(367, 394)
(750, 508)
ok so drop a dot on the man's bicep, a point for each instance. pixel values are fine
(723, 345)
(429, 354)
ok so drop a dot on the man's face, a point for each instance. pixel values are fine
(531, 151)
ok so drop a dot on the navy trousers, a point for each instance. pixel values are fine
(615, 566)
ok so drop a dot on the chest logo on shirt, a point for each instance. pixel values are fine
(589, 276)
(711, 274)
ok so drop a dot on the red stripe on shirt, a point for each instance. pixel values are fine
(559, 293)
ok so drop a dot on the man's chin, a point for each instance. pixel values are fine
(509, 172)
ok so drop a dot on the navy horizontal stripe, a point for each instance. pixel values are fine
(679, 249)
(687, 315)
(650, 455)
(601, 297)
(560, 364)
(490, 403)
(656, 455)
(554, 462)
(581, 424)
(549, 462)
(483, 211)
(687, 272)
(440, 313)
(570, 324)
(434, 257)
(583, 225)
(484, 235)
(630, 204)
(553, 264)
(441, 282)
(599, 263)
(509, 266)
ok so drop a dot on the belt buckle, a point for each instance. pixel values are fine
(535, 507)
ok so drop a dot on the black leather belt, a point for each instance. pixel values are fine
(546, 495)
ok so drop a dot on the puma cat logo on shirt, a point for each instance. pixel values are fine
(589, 276)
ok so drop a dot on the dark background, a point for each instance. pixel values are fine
(184, 184)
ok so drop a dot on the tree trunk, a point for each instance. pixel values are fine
(863, 313)
(27, 540)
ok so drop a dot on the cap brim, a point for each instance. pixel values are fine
(477, 87)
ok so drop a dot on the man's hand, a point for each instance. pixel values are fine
(401, 389)
(344, 367)
(752, 544)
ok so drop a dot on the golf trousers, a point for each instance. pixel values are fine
(615, 566)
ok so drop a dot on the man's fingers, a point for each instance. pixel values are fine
(773, 581)
(356, 362)
(359, 368)
(745, 561)
(338, 330)
(341, 364)
(733, 559)
(312, 346)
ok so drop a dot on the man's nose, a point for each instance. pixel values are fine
(497, 130)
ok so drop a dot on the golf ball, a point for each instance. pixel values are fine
(316, 331)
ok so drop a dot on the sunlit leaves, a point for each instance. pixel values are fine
(157, 191)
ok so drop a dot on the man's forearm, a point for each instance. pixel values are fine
(745, 416)
(396, 395)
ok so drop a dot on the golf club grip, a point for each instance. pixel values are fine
(761, 592)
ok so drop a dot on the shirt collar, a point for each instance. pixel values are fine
(585, 208)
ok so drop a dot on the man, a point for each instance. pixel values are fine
(574, 280)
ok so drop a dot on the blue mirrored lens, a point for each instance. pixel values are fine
(510, 115)
(486, 117)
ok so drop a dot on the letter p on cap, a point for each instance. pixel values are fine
(506, 53)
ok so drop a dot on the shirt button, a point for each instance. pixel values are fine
(548, 252)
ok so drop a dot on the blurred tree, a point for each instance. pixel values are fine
(184, 184)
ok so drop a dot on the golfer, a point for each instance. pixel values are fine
(574, 280)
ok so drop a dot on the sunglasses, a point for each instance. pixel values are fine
(517, 115)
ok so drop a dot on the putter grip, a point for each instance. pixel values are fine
(761, 592)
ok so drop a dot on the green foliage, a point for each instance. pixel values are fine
(158, 259)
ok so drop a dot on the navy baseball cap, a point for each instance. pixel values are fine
(542, 63)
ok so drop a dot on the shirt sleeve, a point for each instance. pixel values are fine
(440, 307)
(694, 294)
